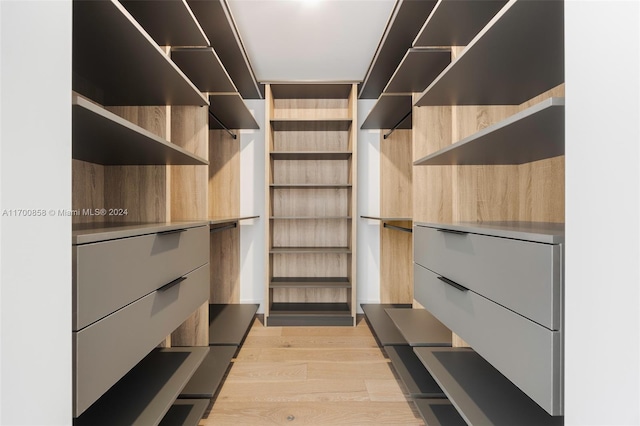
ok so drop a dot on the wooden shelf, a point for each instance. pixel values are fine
(307, 282)
(384, 330)
(419, 327)
(207, 379)
(303, 250)
(388, 111)
(309, 185)
(203, 67)
(479, 392)
(418, 68)
(456, 22)
(108, 40)
(530, 135)
(230, 323)
(517, 56)
(185, 412)
(310, 155)
(218, 25)
(231, 111)
(303, 125)
(404, 24)
(169, 23)
(311, 91)
(415, 377)
(438, 412)
(146, 393)
(310, 314)
(310, 218)
(102, 137)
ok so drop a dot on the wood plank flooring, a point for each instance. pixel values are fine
(311, 376)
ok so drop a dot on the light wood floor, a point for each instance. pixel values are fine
(311, 376)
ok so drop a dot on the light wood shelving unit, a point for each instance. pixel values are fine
(311, 187)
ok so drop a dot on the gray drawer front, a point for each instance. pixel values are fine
(111, 274)
(526, 353)
(525, 277)
(106, 350)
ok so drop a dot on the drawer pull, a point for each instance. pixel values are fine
(453, 284)
(171, 284)
(173, 231)
(452, 231)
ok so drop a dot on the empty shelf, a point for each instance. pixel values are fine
(280, 250)
(311, 91)
(413, 374)
(185, 412)
(388, 111)
(310, 185)
(384, 330)
(479, 392)
(230, 219)
(530, 135)
(107, 40)
(310, 314)
(101, 137)
(309, 282)
(231, 111)
(229, 324)
(145, 394)
(418, 69)
(204, 69)
(207, 379)
(169, 23)
(310, 218)
(388, 219)
(419, 327)
(302, 125)
(517, 56)
(456, 22)
(438, 412)
(311, 155)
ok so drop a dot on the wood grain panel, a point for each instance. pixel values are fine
(151, 118)
(396, 265)
(139, 189)
(194, 331)
(311, 109)
(396, 167)
(310, 202)
(311, 171)
(224, 247)
(325, 140)
(224, 174)
(310, 233)
(309, 295)
(541, 187)
(309, 265)
(88, 190)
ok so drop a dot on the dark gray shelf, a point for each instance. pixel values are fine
(230, 323)
(298, 125)
(231, 219)
(169, 23)
(388, 111)
(415, 377)
(203, 67)
(310, 314)
(456, 22)
(102, 137)
(87, 233)
(384, 330)
(540, 232)
(530, 135)
(207, 379)
(145, 394)
(403, 26)
(310, 185)
(311, 91)
(309, 282)
(108, 40)
(517, 56)
(218, 25)
(185, 412)
(419, 327)
(388, 219)
(310, 217)
(311, 155)
(438, 412)
(303, 250)
(479, 392)
(231, 111)
(418, 68)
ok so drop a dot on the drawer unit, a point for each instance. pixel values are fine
(106, 350)
(111, 274)
(523, 276)
(526, 353)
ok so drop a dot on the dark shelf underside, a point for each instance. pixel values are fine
(310, 314)
(229, 323)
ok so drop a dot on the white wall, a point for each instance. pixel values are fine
(602, 307)
(368, 253)
(35, 254)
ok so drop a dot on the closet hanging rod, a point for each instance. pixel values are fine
(223, 228)
(393, 129)
(397, 228)
(233, 135)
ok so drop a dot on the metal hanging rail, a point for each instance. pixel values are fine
(397, 228)
(393, 129)
(233, 135)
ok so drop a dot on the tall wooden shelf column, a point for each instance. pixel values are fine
(310, 199)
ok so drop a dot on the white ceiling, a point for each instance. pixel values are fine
(310, 40)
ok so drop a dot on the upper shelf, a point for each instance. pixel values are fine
(388, 111)
(204, 68)
(518, 55)
(310, 125)
(311, 91)
(101, 137)
(418, 69)
(218, 25)
(169, 23)
(404, 23)
(231, 112)
(530, 135)
(108, 40)
(481, 394)
(456, 22)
